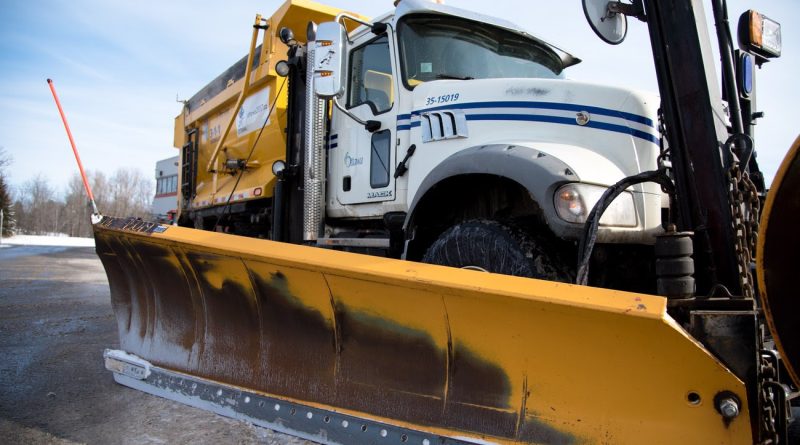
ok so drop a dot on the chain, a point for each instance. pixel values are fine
(769, 409)
(745, 210)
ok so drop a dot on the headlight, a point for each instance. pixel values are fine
(575, 201)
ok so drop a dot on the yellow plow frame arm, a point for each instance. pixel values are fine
(459, 353)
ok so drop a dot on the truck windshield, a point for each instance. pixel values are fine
(440, 47)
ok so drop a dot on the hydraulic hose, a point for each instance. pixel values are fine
(589, 237)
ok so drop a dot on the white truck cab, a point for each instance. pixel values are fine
(445, 116)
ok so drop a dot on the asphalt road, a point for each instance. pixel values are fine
(55, 322)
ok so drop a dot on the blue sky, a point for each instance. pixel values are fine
(119, 65)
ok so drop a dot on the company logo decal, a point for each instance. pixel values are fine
(350, 161)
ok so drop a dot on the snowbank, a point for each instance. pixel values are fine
(55, 240)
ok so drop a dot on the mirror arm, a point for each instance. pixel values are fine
(633, 10)
(376, 28)
(371, 126)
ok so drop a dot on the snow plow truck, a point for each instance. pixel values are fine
(415, 229)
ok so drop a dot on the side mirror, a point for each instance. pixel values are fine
(329, 58)
(607, 19)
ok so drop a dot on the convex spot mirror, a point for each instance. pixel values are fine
(329, 58)
(609, 25)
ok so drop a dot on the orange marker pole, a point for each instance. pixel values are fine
(74, 148)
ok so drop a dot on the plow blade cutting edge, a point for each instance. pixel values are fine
(342, 348)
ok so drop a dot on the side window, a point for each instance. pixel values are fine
(379, 159)
(168, 184)
(371, 76)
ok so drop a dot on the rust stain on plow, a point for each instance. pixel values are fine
(172, 304)
(231, 344)
(536, 431)
(298, 347)
(388, 369)
(480, 395)
(391, 370)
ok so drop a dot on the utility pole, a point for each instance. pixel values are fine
(1, 226)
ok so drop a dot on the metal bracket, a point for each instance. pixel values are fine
(633, 10)
(379, 243)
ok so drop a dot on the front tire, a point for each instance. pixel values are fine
(495, 247)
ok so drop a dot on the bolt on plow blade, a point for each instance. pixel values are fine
(407, 352)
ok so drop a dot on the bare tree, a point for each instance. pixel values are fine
(77, 212)
(39, 211)
(5, 158)
(42, 210)
(129, 194)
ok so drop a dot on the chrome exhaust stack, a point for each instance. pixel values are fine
(314, 171)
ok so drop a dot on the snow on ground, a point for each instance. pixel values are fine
(55, 240)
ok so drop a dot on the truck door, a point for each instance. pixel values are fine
(362, 163)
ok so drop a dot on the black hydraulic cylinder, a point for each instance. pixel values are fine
(691, 107)
(278, 211)
(295, 143)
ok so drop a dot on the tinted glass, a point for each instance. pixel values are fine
(371, 76)
(379, 159)
(439, 47)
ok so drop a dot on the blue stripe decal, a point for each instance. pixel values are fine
(540, 105)
(408, 126)
(401, 117)
(331, 143)
(564, 120)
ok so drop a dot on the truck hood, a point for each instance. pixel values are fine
(616, 124)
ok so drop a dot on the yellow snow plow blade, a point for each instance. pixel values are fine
(469, 356)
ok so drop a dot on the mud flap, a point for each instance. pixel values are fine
(410, 347)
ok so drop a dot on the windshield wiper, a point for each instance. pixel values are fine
(452, 76)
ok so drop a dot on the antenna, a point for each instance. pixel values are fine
(95, 213)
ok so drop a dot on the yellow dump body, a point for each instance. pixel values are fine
(210, 110)
(492, 358)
